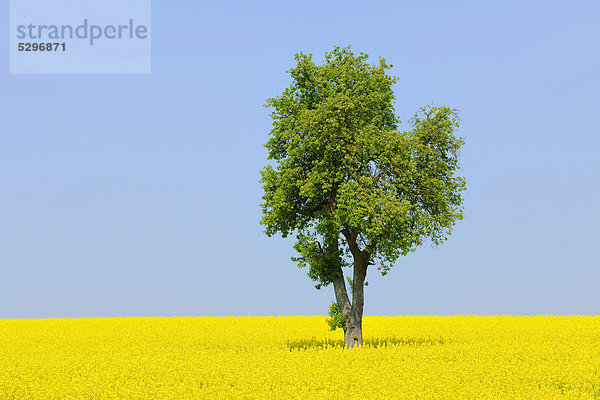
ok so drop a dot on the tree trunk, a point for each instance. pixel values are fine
(353, 336)
(353, 312)
(341, 296)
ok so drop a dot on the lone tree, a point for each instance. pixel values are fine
(354, 190)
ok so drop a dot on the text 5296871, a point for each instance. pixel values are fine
(42, 47)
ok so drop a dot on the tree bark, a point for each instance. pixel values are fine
(353, 336)
(341, 296)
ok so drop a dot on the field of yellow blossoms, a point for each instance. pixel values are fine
(404, 357)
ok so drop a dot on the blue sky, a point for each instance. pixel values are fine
(139, 195)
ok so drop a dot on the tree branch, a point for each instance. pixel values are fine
(319, 245)
(341, 294)
(351, 239)
(370, 249)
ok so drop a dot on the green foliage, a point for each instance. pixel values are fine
(323, 264)
(341, 164)
(337, 318)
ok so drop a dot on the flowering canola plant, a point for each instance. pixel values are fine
(297, 357)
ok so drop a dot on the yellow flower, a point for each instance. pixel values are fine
(406, 357)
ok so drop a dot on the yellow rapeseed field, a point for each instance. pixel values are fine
(405, 357)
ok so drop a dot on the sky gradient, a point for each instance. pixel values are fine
(138, 195)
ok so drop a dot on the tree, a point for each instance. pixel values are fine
(355, 191)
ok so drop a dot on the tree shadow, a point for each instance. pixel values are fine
(314, 343)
